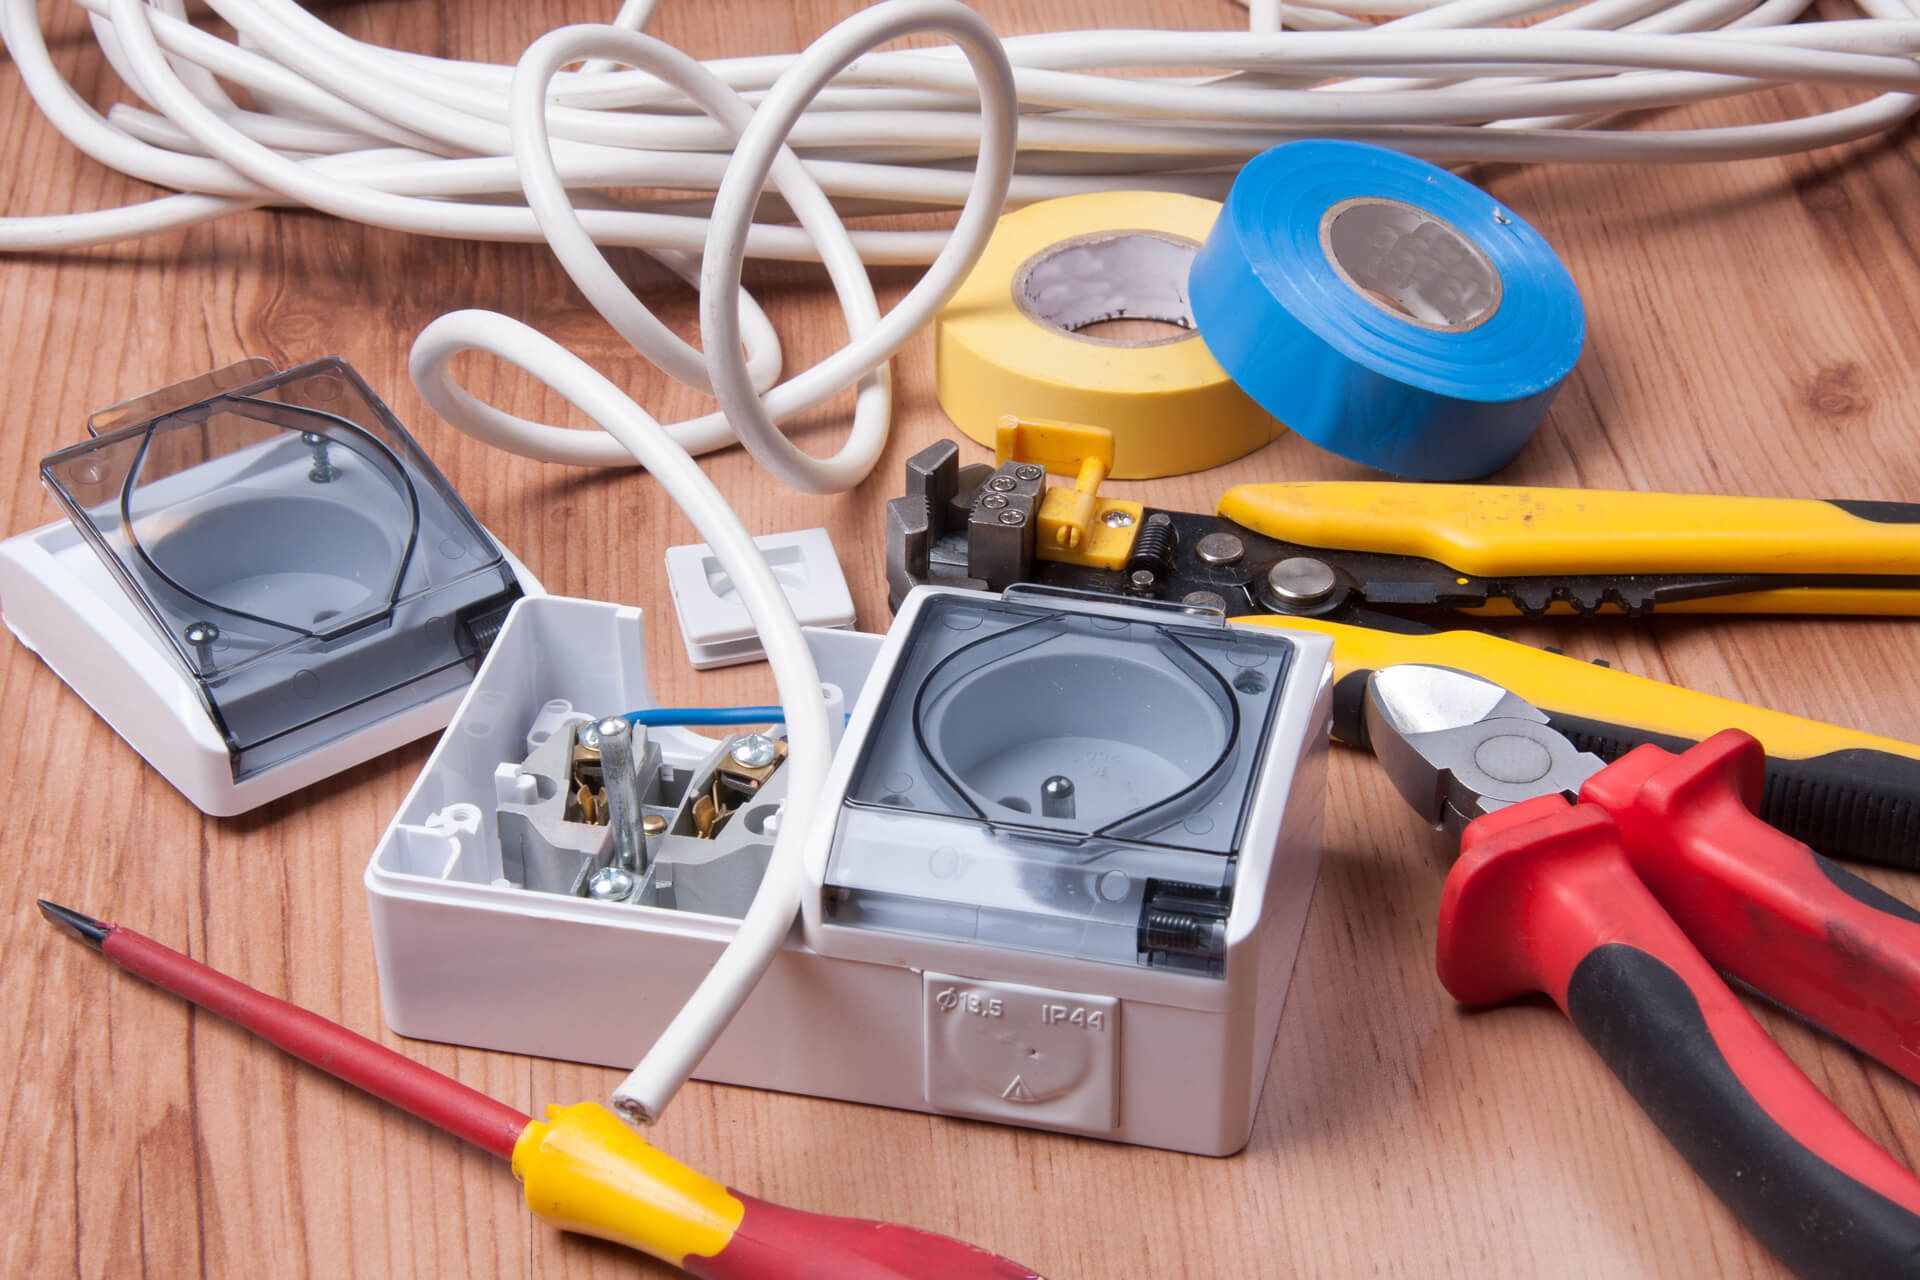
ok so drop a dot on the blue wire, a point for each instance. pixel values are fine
(656, 717)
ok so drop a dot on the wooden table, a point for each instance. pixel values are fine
(1753, 331)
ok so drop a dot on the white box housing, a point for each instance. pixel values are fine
(1125, 1051)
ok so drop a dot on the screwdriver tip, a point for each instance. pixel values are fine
(81, 927)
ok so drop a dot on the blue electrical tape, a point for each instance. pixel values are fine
(1385, 309)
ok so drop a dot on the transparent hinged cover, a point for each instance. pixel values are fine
(307, 565)
(1059, 778)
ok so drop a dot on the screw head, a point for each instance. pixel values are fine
(1011, 517)
(755, 751)
(1117, 519)
(1205, 600)
(611, 884)
(311, 438)
(1299, 580)
(200, 634)
(993, 501)
(652, 824)
(1219, 548)
(1142, 580)
(1027, 471)
(1001, 484)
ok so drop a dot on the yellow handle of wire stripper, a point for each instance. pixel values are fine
(1494, 531)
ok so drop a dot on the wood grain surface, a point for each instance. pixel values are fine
(1753, 331)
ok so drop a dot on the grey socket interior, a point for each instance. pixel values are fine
(1066, 778)
(1066, 691)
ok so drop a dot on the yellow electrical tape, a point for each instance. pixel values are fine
(1008, 343)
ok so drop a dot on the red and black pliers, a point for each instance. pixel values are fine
(1619, 890)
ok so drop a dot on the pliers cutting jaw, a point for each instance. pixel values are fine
(1627, 907)
(1458, 746)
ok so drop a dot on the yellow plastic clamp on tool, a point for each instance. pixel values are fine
(1076, 525)
(1010, 340)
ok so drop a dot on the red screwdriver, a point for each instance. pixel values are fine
(584, 1169)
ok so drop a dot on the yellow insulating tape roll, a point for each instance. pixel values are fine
(1005, 343)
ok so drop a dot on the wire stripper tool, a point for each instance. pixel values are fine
(1622, 906)
(1371, 564)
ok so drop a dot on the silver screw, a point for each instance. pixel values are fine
(1117, 519)
(322, 471)
(611, 884)
(1142, 581)
(622, 782)
(755, 751)
(1013, 517)
(994, 501)
(1205, 600)
(1056, 797)
(1298, 581)
(1001, 484)
(1219, 548)
(201, 636)
(1027, 471)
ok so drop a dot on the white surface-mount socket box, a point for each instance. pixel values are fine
(977, 1027)
(61, 603)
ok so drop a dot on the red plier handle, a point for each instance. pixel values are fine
(1597, 905)
(1763, 907)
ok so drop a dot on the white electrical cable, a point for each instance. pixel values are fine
(293, 112)
(645, 1093)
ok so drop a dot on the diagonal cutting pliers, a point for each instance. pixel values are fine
(1624, 892)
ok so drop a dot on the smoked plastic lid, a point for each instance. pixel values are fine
(303, 560)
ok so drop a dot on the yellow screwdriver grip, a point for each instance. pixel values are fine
(1494, 531)
(584, 1169)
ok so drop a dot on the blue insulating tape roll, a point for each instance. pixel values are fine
(1454, 398)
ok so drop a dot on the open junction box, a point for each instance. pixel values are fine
(1060, 881)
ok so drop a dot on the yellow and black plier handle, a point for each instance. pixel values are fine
(1846, 793)
(1494, 549)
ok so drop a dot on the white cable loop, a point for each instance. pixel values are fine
(761, 153)
(673, 1057)
(761, 150)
